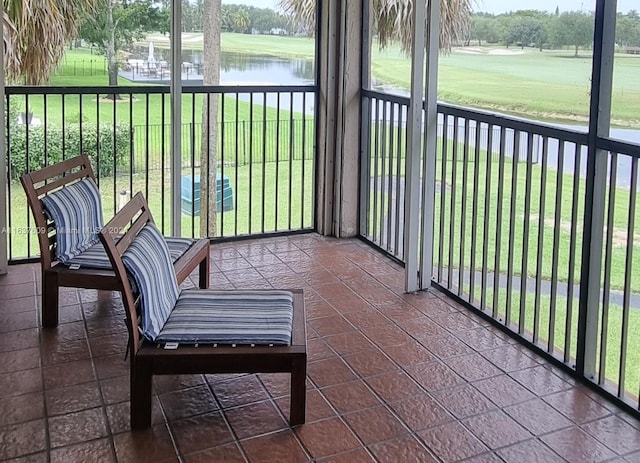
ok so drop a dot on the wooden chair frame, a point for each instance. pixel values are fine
(148, 359)
(55, 275)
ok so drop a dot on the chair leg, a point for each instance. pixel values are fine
(49, 299)
(298, 391)
(140, 395)
(204, 273)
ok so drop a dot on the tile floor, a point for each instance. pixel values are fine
(391, 378)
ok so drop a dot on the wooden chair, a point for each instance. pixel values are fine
(54, 274)
(126, 231)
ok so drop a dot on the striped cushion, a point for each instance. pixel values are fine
(230, 317)
(147, 260)
(76, 211)
(96, 256)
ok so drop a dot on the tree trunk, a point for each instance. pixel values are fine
(209, 158)
(576, 53)
(110, 46)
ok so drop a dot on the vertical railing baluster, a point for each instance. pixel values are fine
(628, 270)
(487, 212)
(374, 184)
(463, 208)
(499, 215)
(452, 206)
(399, 192)
(237, 164)
(390, 188)
(250, 160)
(204, 212)
(474, 211)
(162, 159)
(556, 242)
(443, 195)
(291, 154)
(303, 158)
(541, 225)
(277, 184)
(383, 171)
(515, 160)
(113, 156)
(524, 275)
(264, 160)
(221, 162)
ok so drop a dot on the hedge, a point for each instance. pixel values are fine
(97, 143)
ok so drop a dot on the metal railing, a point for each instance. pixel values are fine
(508, 229)
(264, 154)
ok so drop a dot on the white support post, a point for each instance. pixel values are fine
(3, 164)
(176, 115)
(430, 144)
(593, 235)
(414, 151)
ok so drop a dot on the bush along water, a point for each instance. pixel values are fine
(32, 148)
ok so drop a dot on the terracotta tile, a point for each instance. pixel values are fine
(21, 408)
(68, 351)
(68, 374)
(386, 336)
(119, 416)
(63, 333)
(348, 343)
(280, 447)
(463, 401)
(77, 427)
(366, 319)
(17, 290)
(20, 382)
(576, 406)
(405, 448)
(420, 412)
(105, 326)
(112, 344)
(496, 429)
(326, 326)
(510, 358)
(277, 384)
(446, 346)
(503, 390)
(399, 310)
(18, 321)
(538, 417)
(352, 456)
(99, 450)
(434, 376)
(22, 439)
(482, 339)
(394, 385)
(317, 407)
(115, 389)
(255, 419)
(22, 339)
(487, 458)
(24, 359)
(70, 313)
(317, 349)
(422, 328)
(41, 457)
(170, 383)
(577, 446)
(369, 363)
(110, 366)
(73, 398)
(375, 424)
(201, 432)
(615, 433)
(107, 307)
(473, 367)
(409, 354)
(540, 380)
(228, 453)
(452, 442)
(327, 437)
(147, 446)
(350, 396)
(188, 402)
(530, 451)
(318, 309)
(330, 371)
(241, 391)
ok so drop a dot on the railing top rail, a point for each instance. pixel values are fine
(403, 100)
(515, 123)
(155, 89)
(618, 146)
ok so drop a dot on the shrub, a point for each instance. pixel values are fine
(107, 146)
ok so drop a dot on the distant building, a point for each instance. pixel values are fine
(278, 31)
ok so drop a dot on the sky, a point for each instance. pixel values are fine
(497, 6)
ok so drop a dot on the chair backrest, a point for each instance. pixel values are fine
(116, 236)
(41, 182)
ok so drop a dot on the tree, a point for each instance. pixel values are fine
(241, 20)
(394, 20)
(208, 155)
(628, 29)
(573, 28)
(118, 23)
(525, 31)
(484, 29)
(35, 33)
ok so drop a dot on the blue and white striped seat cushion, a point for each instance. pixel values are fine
(76, 211)
(148, 262)
(96, 256)
(230, 317)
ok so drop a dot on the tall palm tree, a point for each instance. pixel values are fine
(38, 32)
(393, 19)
